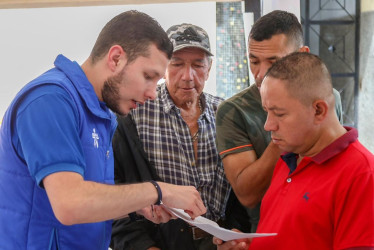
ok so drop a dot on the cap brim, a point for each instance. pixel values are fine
(183, 46)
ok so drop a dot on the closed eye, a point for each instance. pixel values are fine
(198, 66)
(176, 64)
(150, 77)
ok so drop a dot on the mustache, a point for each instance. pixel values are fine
(258, 81)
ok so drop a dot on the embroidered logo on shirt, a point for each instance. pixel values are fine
(96, 138)
(306, 196)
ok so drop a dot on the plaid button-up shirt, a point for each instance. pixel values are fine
(167, 141)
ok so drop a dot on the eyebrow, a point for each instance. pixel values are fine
(276, 108)
(180, 59)
(154, 73)
(268, 58)
(175, 58)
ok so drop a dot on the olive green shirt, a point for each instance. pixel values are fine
(240, 124)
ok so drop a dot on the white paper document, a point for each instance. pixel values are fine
(213, 228)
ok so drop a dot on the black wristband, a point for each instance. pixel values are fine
(159, 193)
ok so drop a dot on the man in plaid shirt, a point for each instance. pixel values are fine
(177, 132)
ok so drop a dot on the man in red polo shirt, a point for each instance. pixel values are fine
(322, 191)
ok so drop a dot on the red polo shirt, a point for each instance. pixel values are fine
(327, 202)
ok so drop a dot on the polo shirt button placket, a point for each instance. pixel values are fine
(289, 180)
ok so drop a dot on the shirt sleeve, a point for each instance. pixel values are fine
(47, 133)
(231, 131)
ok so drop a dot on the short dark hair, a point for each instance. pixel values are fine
(278, 22)
(134, 31)
(305, 76)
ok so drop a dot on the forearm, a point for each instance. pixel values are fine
(75, 200)
(252, 181)
(105, 202)
(82, 201)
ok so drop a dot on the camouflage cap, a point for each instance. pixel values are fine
(187, 35)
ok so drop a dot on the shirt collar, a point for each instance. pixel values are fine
(337, 146)
(165, 98)
(327, 153)
(291, 160)
(168, 103)
(83, 86)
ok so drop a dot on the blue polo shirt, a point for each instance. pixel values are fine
(55, 123)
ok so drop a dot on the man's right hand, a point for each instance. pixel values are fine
(183, 197)
(231, 244)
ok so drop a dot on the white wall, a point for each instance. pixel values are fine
(30, 39)
(366, 90)
(292, 6)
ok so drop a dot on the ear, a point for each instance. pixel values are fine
(320, 110)
(210, 66)
(116, 58)
(304, 49)
(166, 71)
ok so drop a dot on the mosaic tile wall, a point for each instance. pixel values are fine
(231, 62)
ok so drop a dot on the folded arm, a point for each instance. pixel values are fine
(250, 176)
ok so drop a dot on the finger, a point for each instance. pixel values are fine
(198, 208)
(190, 213)
(171, 215)
(228, 245)
(146, 212)
(217, 241)
(242, 245)
(163, 214)
(201, 206)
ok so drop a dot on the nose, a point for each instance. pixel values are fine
(151, 92)
(187, 73)
(261, 71)
(270, 124)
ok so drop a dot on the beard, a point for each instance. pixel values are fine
(110, 92)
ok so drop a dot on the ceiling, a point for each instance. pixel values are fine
(12, 4)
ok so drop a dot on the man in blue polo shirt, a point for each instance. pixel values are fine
(56, 160)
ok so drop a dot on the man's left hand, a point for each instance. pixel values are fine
(156, 214)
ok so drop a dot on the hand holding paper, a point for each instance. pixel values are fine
(213, 228)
